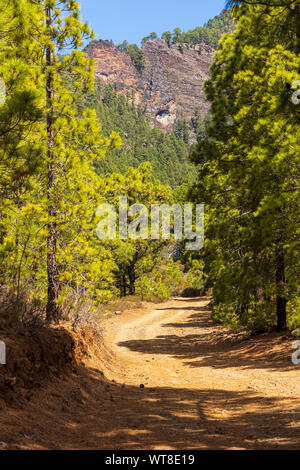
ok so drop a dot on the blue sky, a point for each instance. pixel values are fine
(134, 19)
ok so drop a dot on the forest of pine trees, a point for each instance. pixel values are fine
(168, 154)
(249, 169)
(68, 144)
(208, 34)
(57, 161)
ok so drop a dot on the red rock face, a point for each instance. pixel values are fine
(170, 86)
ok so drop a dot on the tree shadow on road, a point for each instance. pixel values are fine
(85, 412)
(210, 345)
(82, 410)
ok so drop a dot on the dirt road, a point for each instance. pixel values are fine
(176, 381)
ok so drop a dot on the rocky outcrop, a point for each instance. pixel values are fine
(169, 87)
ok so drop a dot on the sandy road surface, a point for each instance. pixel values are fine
(202, 389)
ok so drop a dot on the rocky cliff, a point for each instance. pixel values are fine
(170, 85)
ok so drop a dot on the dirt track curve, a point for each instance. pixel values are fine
(176, 381)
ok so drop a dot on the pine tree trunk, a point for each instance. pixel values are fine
(297, 22)
(131, 275)
(124, 285)
(52, 272)
(123, 290)
(280, 284)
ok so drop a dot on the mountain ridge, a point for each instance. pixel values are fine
(168, 87)
(165, 77)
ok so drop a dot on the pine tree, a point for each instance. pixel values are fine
(81, 134)
(20, 112)
(167, 36)
(249, 171)
(48, 218)
(134, 257)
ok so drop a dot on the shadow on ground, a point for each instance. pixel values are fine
(209, 345)
(83, 412)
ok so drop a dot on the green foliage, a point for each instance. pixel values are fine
(209, 34)
(195, 277)
(293, 311)
(19, 109)
(176, 35)
(160, 289)
(167, 36)
(47, 178)
(161, 283)
(169, 278)
(248, 172)
(137, 55)
(133, 258)
(198, 124)
(181, 130)
(149, 38)
(58, 165)
(54, 155)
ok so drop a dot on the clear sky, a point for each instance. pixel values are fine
(134, 19)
